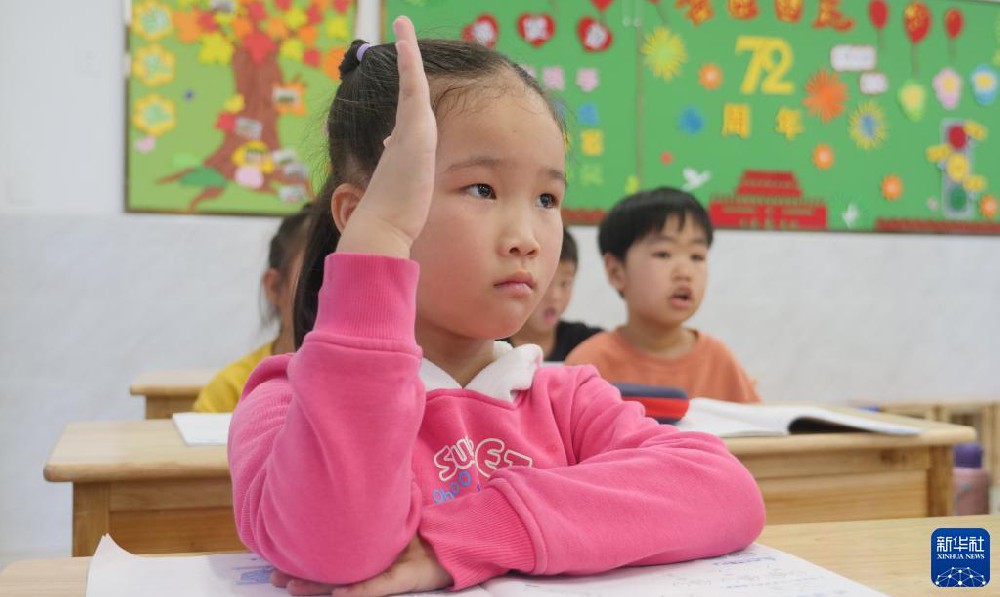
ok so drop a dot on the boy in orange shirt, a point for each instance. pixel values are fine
(655, 245)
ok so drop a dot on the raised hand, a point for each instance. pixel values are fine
(415, 570)
(394, 208)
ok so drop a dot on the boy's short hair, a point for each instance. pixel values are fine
(568, 252)
(637, 216)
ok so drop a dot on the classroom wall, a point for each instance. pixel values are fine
(90, 296)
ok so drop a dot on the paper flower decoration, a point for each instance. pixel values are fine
(825, 95)
(913, 99)
(587, 79)
(152, 20)
(153, 65)
(587, 114)
(710, 76)
(988, 206)
(215, 49)
(691, 121)
(665, 53)
(145, 145)
(336, 28)
(295, 18)
(823, 156)
(867, 126)
(331, 62)
(892, 187)
(788, 11)
(154, 115)
(235, 104)
(948, 88)
(984, 84)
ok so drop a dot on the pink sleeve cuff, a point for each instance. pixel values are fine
(478, 537)
(368, 296)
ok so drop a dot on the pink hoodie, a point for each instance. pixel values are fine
(342, 451)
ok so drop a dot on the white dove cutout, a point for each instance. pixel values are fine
(851, 215)
(694, 179)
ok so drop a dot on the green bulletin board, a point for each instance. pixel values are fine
(845, 115)
(227, 100)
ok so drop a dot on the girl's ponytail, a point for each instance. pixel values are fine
(322, 240)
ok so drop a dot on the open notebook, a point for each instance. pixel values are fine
(757, 570)
(730, 419)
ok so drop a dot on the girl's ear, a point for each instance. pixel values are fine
(615, 270)
(345, 198)
(271, 283)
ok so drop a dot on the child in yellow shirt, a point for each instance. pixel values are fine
(655, 245)
(278, 283)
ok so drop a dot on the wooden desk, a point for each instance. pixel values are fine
(823, 477)
(892, 556)
(138, 481)
(169, 392)
(983, 414)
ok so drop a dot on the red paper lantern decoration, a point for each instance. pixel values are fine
(957, 138)
(878, 12)
(917, 21)
(953, 22)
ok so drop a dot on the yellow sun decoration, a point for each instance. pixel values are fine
(665, 53)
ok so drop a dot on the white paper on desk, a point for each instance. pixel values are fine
(116, 573)
(757, 570)
(203, 429)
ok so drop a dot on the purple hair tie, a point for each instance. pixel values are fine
(362, 49)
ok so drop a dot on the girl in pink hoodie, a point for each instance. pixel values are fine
(401, 448)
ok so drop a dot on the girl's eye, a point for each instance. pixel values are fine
(661, 255)
(698, 258)
(548, 201)
(481, 190)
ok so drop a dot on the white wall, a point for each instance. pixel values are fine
(90, 297)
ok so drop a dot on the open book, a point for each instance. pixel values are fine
(757, 570)
(731, 419)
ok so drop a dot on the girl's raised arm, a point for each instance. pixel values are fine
(321, 441)
(394, 208)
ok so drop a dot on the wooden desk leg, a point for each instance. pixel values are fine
(91, 516)
(941, 482)
(164, 407)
